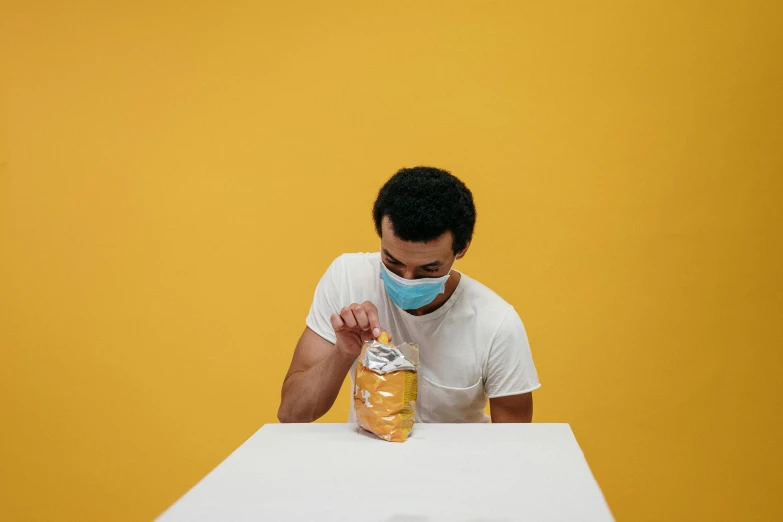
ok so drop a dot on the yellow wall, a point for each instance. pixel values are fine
(174, 180)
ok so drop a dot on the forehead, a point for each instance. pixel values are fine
(413, 253)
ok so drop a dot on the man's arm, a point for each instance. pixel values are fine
(313, 381)
(511, 374)
(319, 367)
(513, 408)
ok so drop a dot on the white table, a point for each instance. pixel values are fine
(448, 472)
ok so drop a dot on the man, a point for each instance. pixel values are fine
(472, 344)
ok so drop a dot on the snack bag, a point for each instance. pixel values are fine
(386, 388)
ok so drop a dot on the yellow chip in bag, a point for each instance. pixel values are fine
(386, 389)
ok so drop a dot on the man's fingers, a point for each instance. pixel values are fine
(372, 317)
(337, 322)
(348, 318)
(361, 317)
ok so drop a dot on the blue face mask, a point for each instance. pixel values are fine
(412, 294)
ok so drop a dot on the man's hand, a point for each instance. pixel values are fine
(354, 325)
(318, 368)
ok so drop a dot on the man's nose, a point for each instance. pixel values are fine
(409, 273)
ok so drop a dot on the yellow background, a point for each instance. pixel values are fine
(175, 178)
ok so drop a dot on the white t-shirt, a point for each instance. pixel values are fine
(472, 348)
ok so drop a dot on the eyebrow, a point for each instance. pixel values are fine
(428, 265)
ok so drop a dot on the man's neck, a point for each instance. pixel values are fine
(451, 286)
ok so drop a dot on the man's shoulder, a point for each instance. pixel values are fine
(358, 272)
(480, 295)
(358, 263)
(490, 313)
(360, 257)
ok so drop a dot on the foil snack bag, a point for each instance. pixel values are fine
(386, 389)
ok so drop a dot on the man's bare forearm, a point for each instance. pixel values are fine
(309, 394)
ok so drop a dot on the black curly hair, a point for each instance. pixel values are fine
(423, 203)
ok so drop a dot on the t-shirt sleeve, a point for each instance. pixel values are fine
(510, 368)
(327, 301)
